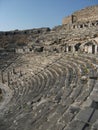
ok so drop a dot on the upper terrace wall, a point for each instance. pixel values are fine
(67, 20)
(87, 14)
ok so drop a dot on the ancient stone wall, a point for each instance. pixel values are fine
(67, 20)
(87, 14)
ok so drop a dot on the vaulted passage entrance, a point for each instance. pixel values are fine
(77, 47)
(69, 48)
(93, 49)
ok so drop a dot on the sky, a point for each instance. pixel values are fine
(28, 14)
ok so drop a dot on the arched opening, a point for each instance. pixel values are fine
(77, 47)
(93, 49)
(85, 25)
(74, 19)
(74, 26)
(69, 48)
(93, 24)
(81, 26)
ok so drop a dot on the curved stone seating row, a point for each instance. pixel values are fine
(84, 100)
(53, 98)
(34, 90)
(52, 77)
(54, 127)
(53, 109)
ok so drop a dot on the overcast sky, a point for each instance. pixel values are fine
(28, 14)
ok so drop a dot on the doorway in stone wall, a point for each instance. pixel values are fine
(77, 46)
(93, 49)
(69, 48)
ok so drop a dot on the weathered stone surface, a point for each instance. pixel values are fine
(83, 15)
(84, 115)
(46, 82)
(75, 125)
(95, 126)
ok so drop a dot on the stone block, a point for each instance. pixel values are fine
(84, 115)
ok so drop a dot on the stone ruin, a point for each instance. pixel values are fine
(84, 16)
(49, 79)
